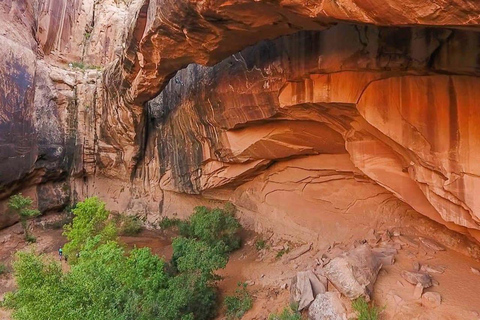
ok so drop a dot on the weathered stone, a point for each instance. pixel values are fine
(304, 287)
(432, 269)
(327, 306)
(475, 271)
(418, 291)
(432, 244)
(297, 252)
(354, 273)
(415, 278)
(431, 299)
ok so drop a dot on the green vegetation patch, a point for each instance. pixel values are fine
(364, 310)
(238, 304)
(287, 314)
(107, 282)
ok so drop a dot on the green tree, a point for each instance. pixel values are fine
(90, 219)
(20, 205)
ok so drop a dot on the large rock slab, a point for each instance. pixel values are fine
(354, 273)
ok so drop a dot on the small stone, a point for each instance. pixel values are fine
(262, 276)
(418, 291)
(397, 299)
(475, 271)
(431, 244)
(416, 266)
(432, 269)
(250, 282)
(417, 277)
(400, 284)
(431, 299)
(284, 286)
(408, 241)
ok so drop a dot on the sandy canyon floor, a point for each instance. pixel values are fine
(269, 276)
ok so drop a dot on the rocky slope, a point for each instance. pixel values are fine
(313, 117)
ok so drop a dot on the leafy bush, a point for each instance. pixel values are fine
(286, 314)
(167, 223)
(238, 304)
(191, 255)
(129, 225)
(213, 226)
(20, 205)
(90, 219)
(260, 244)
(365, 312)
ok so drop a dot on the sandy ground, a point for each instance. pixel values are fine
(268, 276)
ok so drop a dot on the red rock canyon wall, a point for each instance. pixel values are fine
(303, 114)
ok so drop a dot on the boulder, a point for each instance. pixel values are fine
(327, 306)
(304, 288)
(354, 272)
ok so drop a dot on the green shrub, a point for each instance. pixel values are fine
(364, 310)
(260, 244)
(167, 223)
(282, 252)
(238, 304)
(3, 268)
(129, 225)
(286, 314)
(31, 239)
(213, 226)
(192, 254)
(20, 205)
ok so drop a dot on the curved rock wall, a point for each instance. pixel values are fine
(356, 108)
(380, 96)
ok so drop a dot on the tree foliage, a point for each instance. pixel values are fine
(90, 220)
(21, 206)
(213, 226)
(106, 282)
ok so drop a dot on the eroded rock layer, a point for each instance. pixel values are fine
(389, 98)
(304, 114)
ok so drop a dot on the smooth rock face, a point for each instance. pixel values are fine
(327, 120)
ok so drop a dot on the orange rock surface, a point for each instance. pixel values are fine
(302, 113)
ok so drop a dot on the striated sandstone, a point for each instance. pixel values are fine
(355, 111)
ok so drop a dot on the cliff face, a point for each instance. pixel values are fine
(303, 114)
(49, 87)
